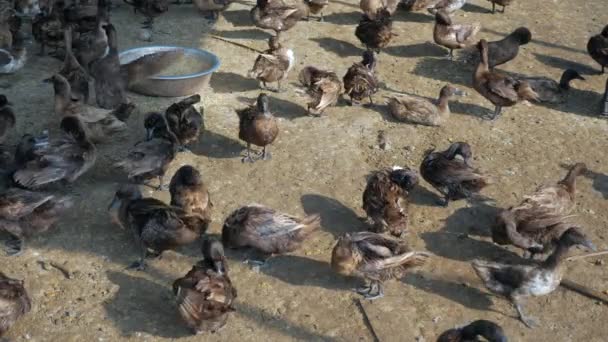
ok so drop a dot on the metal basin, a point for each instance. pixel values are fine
(204, 63)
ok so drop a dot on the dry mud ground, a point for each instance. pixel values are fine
(319, 166)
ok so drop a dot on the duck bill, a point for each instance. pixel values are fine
(589, 245)
(459, 92)
(149, 133)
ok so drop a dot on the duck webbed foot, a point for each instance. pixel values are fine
(248, 158)
(443, 201)
(530, 322)
(183, 148)
(266, 155)
(14, 246)
(374, 291)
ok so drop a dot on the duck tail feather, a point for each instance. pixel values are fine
(525, 92)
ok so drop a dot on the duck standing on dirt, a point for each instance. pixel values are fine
(538, 222)
(14, 301)
(185, 121)
(516, 282)
(454, 36)
(155, 225)
(47, 26)
(598, 48)
(498, 88)
(205, 294)
(151, 158)
(385, 199)
(506, 49)
(503, 3)
(66, 158)
(150, 9)
(376, 33)
(213, 7)
(189, 192)
(266, 230)
(24, 214)
(421, 111)
(360, 81)
(7, 118)
(93, 45)
(315, 7)
(272, 15)
(273, 65)
(550, 91)
(453, 178)
(109, 83)
(371, 7)
(257, 126)
(446, 6)
(491, 331)
(322, 86)
(74, 72)
(376, 258)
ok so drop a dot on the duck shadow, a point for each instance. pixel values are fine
(423, 197)
(457, 292)
(416, 50)
(470, 109)
(280, 107)
(215, 145)
(415, 17)
(302, 271)
(600, 180)
(336, 218)
(338, 47)
(563, 64)
(472, 8)
(143, 306)
(343, 18)
(443, 69)
(230, 82)
(253, 34)
(238, 18)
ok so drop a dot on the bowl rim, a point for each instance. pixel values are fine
(215, 61)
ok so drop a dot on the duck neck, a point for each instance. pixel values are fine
(483, 62)
(443, 104)
(62, 95)
(564, 81)
(555, 259)
(570, 181)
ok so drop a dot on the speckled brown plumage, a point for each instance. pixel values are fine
(189, 192)
(14, 302)
(322, 86)
(360, 81)
(273, 65)
(185, 121)
(376, 33)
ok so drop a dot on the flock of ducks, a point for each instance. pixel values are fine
(82, 31)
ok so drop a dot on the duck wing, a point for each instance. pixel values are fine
(147, 156)
(502, 85)
(16, 203)
(500, 278)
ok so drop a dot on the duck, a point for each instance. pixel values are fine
(213, 7)
(360, 81)
(322, 86)
(156, 226)
(185, 121)
(14, 301)
(597, 46)
(419, 110)
(13, 59)
(47, 26)
(93, 45)
(315, 7)
(273, 65)
(66, 158)
(74, 73)
(101, 124)
(25, 213)
(503, 3)
(7, 118)
(376, 33)
(549, 90)
(152, 157)
(489, 330)
(385, 199)
(536, 224)
(453, 178)
(108, 81)
(266, 230)
(82, 14)
(6, 36)
(506, 49)
(604, 104)
(515, 282)
(498, 88)
(257, 126)
(371, 7)
(446, 6)
(190, 193)
(277, 17)
(376, 258)
(205, 294)
(453, 36)
(150, 9)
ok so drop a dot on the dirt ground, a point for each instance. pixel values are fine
(319, 166)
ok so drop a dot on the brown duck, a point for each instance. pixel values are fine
(156, 226)
(14, 301)
(489, 330)
(515, 282)
(109, 83)
(74, 73)
(538, 222)
(419, 110)
(150, 9)
(376, 33)
(7, 118)
(360, 81)
(24, 214)
(189, 192)
(266, 230)
(257, 126)
(47, 26)
(93, 45)
(453, 178)
(453, 36)
(498, 88)
(385, 199)
(66, 158)
(374, 257)
(273, 65)
(205, 294)
(503, 3)
(275, 16)
(322, 86)
(597, 46)
(185, 121)
(151, 158)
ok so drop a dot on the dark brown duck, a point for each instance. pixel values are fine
(491, 331)
(376, 33)
(185, 121)
(360, 81)
(257, 126)
(597, 46)
(109, 83)
(14, 301)
(189, 192)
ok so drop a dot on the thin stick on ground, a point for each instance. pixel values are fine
(368, 322)
(577, 257)
(235, 43)
(585, 291)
